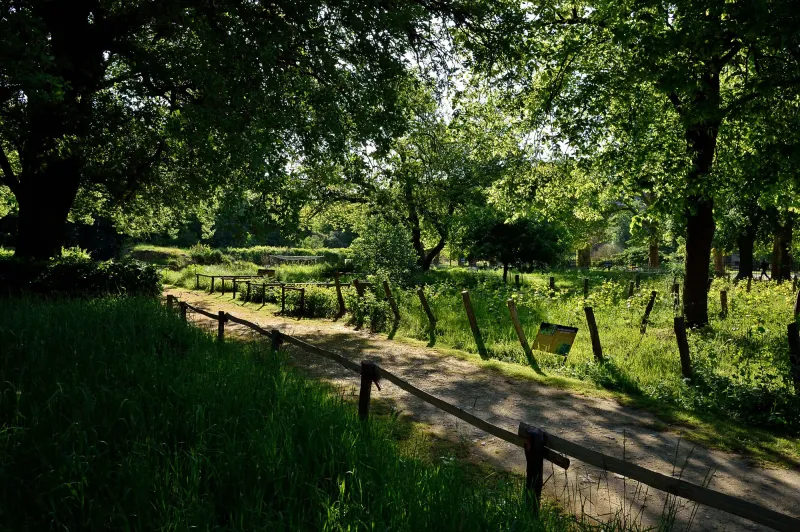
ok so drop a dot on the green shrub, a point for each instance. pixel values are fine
(258, 254)
(205, 254)
(384, 249)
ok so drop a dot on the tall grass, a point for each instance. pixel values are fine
(116, 415)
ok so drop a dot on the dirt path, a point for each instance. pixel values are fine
(597, 423)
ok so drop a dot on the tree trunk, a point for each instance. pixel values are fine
(505, 273)
(652, 258)
(746, 240)
(719, 263)
(427, 258)
(775, 263)
(785, 247)
(702, 141)
(45, 199)
(584, 258)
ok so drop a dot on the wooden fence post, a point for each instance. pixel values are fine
(585, 287)
(247, 296)
(263, 294)
(523, 340)
(794, 354)
(367, 377)
(235, 282)
(211, 291)
(222, 282)
(359, 288)
(339, 296)
(283, 297)
(534, 465)
(749, 280)
(647, 311)
(276, 340)
(683, 347)
(676, 295)
(221, 326)
(302, 301)
(170, 302)
(390, 298)
(797, 304)
(183, 310)
(723, 302)
(597, 348)
(426, 308)
(516, 279)
(638, 279)
(196, 281)
(473, 324)
(794, 284)
(552, 283)
(630, 289)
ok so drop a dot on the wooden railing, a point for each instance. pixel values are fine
(539, 445)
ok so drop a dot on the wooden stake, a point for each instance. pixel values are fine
(426, 308)
(552, 283)
(170, 302)
(676, 295)
(235, 282)
(283, 297)
(683, 347)
(630, 289)
(597, 349)
(749, 280)
(390, 298)
(196, 281)
(516, 279)
(183, 310)
(647, 311)
(277, 340)
(222, 282)
(585, 287)
(523, 340)
(212, 285)
(638, 280)
(473, 324)
(339, 296)
(723, 301)
(367, 377)
(247, 296)
(221, 326)
(534, 465)
(302, 301)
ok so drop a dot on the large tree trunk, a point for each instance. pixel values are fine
(745, 240)
(702, 141)
(45, 200)
(785, 250)
(775, 263)
(652, 257)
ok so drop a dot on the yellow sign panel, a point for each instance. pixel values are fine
(557, 339)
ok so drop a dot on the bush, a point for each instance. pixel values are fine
(258, 254)
(76, 275)
(385, 249)
(88, 278)
(205, 254)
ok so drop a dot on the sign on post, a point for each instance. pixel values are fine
(557, 339)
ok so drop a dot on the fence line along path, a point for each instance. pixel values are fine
(538, 444)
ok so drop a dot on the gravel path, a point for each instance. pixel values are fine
(598, 423)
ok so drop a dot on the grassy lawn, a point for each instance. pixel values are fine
(116, 415)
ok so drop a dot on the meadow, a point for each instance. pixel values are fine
(117, 415)
(740, 361)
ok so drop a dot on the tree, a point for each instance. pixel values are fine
(163, 101)
(703, 62)
(518, 241)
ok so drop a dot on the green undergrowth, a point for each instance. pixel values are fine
(116, 415)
